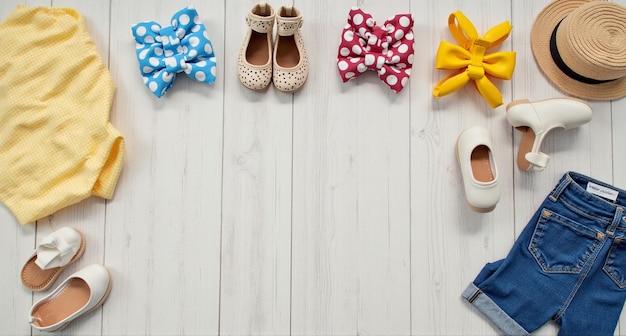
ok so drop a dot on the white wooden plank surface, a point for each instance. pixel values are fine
(256, 211)
(324, 269)
(450, 243)
(351, 224)
(163, 225)
(337, 210)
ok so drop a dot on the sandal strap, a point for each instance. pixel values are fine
(289, 25)
(261, 23)
(539, 160)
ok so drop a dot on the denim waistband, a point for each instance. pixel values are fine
(575, 189)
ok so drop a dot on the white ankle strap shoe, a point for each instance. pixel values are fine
(254, 64)
(291, 63)
(536, 119)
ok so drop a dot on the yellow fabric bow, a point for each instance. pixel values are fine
(469, 57)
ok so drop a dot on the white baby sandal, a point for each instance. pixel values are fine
(53, 254)
(81, 293)
(536, 119)
(254, 65)
(291, 63)
(478, 169)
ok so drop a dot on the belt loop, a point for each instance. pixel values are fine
(617, 219)
(565, 181)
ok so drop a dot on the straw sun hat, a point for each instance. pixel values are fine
(580, 45)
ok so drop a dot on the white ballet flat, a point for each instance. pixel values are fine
(79, 294)
(478, 169)
(536, 119)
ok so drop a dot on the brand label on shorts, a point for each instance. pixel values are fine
(602, 191)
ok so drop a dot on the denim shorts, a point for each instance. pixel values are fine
(568, 265)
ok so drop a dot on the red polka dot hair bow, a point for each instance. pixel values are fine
(388, 50)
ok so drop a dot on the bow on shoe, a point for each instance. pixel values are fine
(53, 252)
(388, 50)
(163, 52)
(469, 57)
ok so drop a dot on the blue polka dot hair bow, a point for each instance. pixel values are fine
(163, 52)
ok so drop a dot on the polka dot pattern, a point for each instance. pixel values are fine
(386, 49)
(290, 79)
(255, 76)
(163, 52)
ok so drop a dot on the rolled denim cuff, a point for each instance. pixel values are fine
(492, 311)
